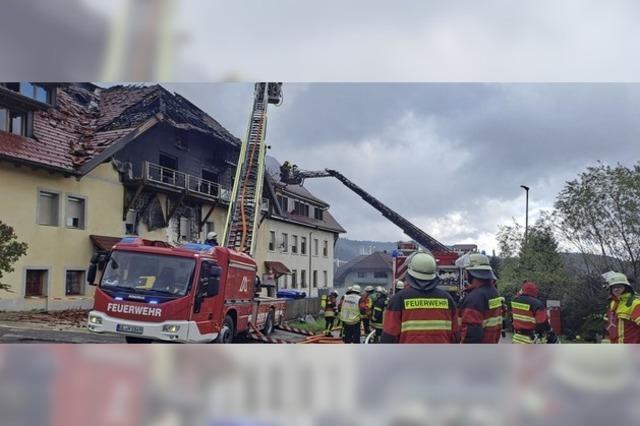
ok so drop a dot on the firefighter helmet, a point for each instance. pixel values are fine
(356, 288)
(381, 290)
(212, 235)
(399, 285)
(333, 293)
(422, 266)
(616, 278)
(478, 266)
(368, 289)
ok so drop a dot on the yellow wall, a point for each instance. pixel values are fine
(56, 247)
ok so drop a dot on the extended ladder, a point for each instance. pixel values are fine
(246, 197)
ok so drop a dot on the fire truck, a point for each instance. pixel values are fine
(150, 290)
(449, 274)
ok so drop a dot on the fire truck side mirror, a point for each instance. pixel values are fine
(213, 287)
(91, 274)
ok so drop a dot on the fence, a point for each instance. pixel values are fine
(297, 308)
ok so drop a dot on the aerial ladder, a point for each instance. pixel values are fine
(246, 196)
(297, 177)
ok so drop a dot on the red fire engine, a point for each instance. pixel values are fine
(197, 292)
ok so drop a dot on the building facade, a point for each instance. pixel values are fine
(375, 269)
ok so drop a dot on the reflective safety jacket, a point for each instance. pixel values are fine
(331, 305)
(481, 315)
(349, 309)
(623, 318)
(420, 316)
(378, 311)
(529, 315)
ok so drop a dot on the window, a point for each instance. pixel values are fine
(17, 123)
(48, 207)
(315, 279)
(169, 164)
(272, 240)
(325, 278)
(284, 203)
(362, 275)
(301, 209)
(380, 274)
(74, 282)
(294, 278)
(209, 227)
(303, 278)
(33, 91)
(315, 246)
(75, 212)
(4, 116)
(210, 176)
(303, 245)
(325, 248)
(318, 213)
(182, 144)
(285, 242)
(294, 244)
(36, 283)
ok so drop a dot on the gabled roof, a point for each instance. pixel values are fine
(377, 261)
(88, 122)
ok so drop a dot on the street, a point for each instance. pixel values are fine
(12, 334)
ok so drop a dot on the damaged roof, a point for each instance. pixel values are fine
(88, 120)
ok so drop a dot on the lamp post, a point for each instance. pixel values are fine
(526, 218)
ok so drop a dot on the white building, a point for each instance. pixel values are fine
(297, 238)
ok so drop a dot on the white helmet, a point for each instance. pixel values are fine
(212, 235)
(356, 287)
(381, 290)
(368, 289)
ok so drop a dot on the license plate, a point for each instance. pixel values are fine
(134, 329)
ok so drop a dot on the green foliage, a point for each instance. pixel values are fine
(599, 213)
(10, 251)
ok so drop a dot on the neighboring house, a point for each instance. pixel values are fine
(375, 269)
(82, 165)
(297, 238)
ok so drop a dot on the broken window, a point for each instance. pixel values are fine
(75, 212)
(48, 206)
(36, 283)
(74, 283)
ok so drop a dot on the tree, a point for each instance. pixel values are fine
(10, 251)
(599, 214)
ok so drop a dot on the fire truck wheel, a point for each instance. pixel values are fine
(269, 324)
(227, 331)
(132, 339)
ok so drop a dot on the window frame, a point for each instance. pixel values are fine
(84, 210)
(45, 284)
(325, 248)
(58, 194)
(83, 288)
(294, 244)
(303, 245)
(284, 247)
(271, 246)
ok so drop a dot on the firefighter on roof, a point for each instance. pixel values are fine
(481, 308)
(623, 313)
(421, 313)
(530, 316)
(350, 314)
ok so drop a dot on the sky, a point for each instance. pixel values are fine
(448, 157)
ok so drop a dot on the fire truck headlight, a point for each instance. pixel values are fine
(94, 319)
(170, 328)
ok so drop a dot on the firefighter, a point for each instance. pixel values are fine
(481, 308)
(623, 313)
(530, 316)
(378, 311)
(350, 314)
(330, 308)
(399, 286)
(212, 239)
(366, 308)
(285, 171)
(421, 313)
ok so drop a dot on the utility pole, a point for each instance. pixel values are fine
(526, 218)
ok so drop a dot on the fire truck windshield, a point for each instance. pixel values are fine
(148, 273)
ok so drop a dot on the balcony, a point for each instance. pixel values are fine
(175, 181)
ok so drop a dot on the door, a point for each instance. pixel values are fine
(207, 306)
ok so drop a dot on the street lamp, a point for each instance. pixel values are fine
(526, 220)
